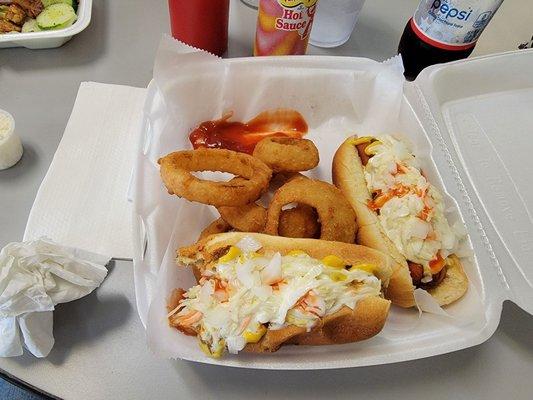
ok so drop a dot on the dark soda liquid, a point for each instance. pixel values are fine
(417, 54)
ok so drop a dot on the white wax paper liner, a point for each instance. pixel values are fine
(349, 97)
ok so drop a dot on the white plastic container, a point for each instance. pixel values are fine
(10, 145)
(53, 38)
(470, 123)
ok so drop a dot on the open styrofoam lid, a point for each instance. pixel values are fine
(484, 109)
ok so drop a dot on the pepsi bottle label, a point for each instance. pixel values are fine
(453, 24)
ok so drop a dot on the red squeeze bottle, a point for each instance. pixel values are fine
(201, 23)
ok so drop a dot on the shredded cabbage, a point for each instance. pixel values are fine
(415, 222)
(275, 290)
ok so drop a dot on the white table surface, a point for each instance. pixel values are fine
(100, 350)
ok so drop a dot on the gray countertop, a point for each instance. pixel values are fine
(100, 349)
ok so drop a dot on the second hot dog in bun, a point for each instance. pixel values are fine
(400, 213)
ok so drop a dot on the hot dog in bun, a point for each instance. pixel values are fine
(401, 214)
(258, 292)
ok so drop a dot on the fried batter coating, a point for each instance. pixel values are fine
(284, 154)
(252, 180)
(32, 7)
(6, 27)
(336, 216)
(299, 222)
(15, 14)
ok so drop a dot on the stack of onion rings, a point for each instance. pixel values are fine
(320, 209)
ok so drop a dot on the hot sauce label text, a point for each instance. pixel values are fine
(297, 16)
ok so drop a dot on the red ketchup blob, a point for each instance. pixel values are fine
(243, 136)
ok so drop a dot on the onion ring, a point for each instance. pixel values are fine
(248, 218)
(337, 218)
(176, 171)
(217, 226)
(252, 217)
(299, 222)
(287, 154)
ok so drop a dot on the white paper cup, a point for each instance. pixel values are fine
(334, 22)
(10, 144)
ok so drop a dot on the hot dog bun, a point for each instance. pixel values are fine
(348, 175)
(344, 326)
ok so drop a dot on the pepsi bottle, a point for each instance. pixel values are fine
(442, 31)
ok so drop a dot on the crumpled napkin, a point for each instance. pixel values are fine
(34, 277)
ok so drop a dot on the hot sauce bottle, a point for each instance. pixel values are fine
(283, 27)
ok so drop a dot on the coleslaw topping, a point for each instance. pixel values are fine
(245, 293)
(410, 209)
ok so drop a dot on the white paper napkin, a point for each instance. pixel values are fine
(82, 201)
(34, 277)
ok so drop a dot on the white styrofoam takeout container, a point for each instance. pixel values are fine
(471, 123)
(53, 38)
